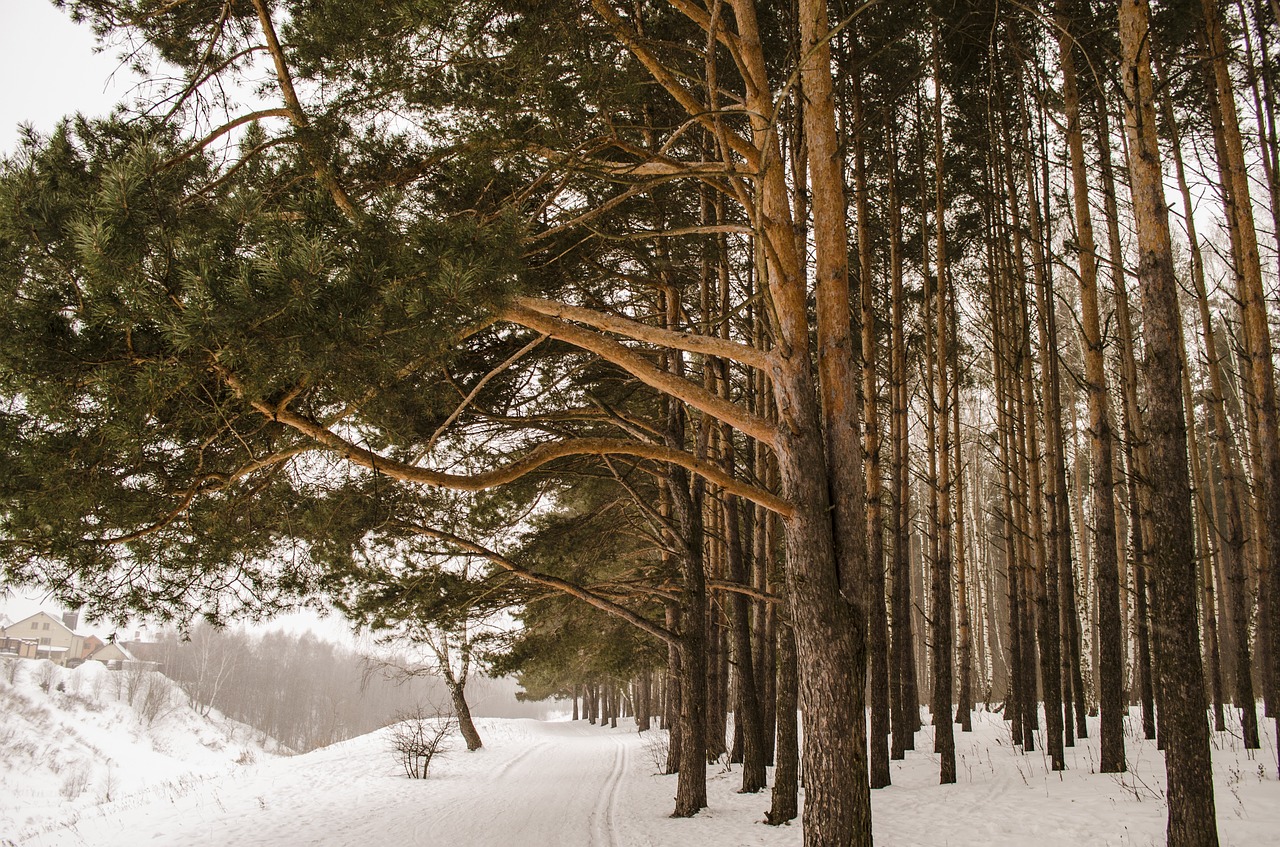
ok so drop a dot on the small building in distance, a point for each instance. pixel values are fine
(114, 655)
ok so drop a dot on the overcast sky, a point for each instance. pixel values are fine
(49, 69)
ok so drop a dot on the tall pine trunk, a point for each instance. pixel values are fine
(1111, 661)
(1190, 784)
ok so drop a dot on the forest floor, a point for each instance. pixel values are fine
(571, 783)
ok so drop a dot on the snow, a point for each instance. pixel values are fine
(571, 783)
(77, 742)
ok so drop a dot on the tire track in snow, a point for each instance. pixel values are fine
(605, 815)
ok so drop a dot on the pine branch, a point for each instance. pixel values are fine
(560, 585)
(643, 370)
(535, 458)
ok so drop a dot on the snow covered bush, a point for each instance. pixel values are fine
(418, 736)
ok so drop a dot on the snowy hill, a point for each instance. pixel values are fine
(538, 784)
(75, 741)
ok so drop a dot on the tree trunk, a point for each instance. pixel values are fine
(818, 450)
(462, 712)
(747, 718)
(900, 487)
(643, 701)
(1111, 661)
(1258, 339)
(786, 786)
(943, 617)
(964, 659)
(691, 789)
(878, 679)
(1044, 555)
(1172, 555)
(673, 706)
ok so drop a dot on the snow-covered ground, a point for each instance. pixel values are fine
(85, 741)
(560, 783)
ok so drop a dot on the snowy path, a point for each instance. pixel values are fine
(551, 784)
(563, 789)
(534, 783)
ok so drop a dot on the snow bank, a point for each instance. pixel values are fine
(74, 740)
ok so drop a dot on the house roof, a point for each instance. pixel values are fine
(16, 627)
(125, 653)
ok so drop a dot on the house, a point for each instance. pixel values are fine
(91, 644)
(114, 655)
(118, 656)
(53, 639)
(23, 648)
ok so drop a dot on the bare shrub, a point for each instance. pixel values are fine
(134, 681)
(111, 784)
(75, 782)
(418, 736)
(9, 669)
(46, 675)
(656, 748)
(156, 699)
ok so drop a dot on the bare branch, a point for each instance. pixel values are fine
(655, 165)
(466, 401)
(323, 170)
(223, 130)
(663, 76)
(563, 586)
(739, 588)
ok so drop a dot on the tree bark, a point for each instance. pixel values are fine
(1190, 786)
(786, 786)
(1110, 671)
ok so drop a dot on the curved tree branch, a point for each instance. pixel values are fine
(560, 585)
(529, 462)
(708, 345)
(642, 369)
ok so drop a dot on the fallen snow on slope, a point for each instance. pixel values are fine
(537, 783)
(78, 742)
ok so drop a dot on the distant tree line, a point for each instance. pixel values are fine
(302, 690)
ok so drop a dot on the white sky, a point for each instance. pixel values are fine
(49, 69)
